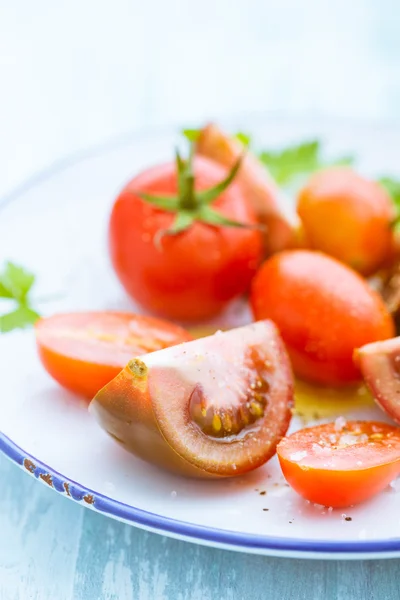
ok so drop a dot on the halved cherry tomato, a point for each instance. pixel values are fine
(348, 217)
(213, 407)
(84, 351)
(323, 310)
(339, 464)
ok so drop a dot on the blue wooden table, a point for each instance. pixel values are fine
(52, 548)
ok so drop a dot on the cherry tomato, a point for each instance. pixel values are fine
(189, 275)
(323, 310)
(281, 227)
(213, 407)
(380, 365)
(340, 464)
(348, 217)
(84, 351)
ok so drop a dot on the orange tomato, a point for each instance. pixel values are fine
(323, 309)
(84, 351)
(348, 217)
(341, 465)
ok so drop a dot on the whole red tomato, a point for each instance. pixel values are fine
(323, 310)
(183, 239)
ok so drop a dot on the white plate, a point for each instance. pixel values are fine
(56, 226)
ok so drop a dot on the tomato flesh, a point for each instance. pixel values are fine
(380, 365)
(342, 463)
(323, 309)
(84, 351)
(216, 406)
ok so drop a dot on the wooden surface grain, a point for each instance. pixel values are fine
(52, 548)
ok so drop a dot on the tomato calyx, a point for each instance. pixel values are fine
(191, 205)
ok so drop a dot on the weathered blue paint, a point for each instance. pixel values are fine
(51, 548)
(158, 523)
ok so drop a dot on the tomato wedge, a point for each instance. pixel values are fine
(380, 365)
(84, 351)
(341, 463)
(213, 407)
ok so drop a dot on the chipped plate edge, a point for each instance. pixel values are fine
(208, 536)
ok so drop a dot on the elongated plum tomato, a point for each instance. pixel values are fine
(380, 366)
(84, 351)
(191, 274)
(323, 310)
(214, 407)
(339, 464)
(348, 217)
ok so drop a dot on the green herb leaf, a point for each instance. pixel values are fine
(15, 282)
(243, 138)
(4, 291)
(191, 134)
(21, 317)
(392, 186)
(299, 160)
(285, 164)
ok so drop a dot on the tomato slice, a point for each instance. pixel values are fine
(84, 351)
(380, 365)
(341, 463)
(216, 406)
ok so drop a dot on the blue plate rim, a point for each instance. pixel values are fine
(200, 533)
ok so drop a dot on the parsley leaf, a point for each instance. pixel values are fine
(290, 166)
(15, 284)
(300, 160)
(244, 138)
(4, 291)
(16, 281)
(21, 317)
(191, 134)
(392, 186)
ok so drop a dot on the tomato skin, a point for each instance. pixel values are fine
(325, 472)
(191, 275)
(379, 365)
(323, 310)
(281, 229)
(148, 406)
(84, 351)
(348, 217)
